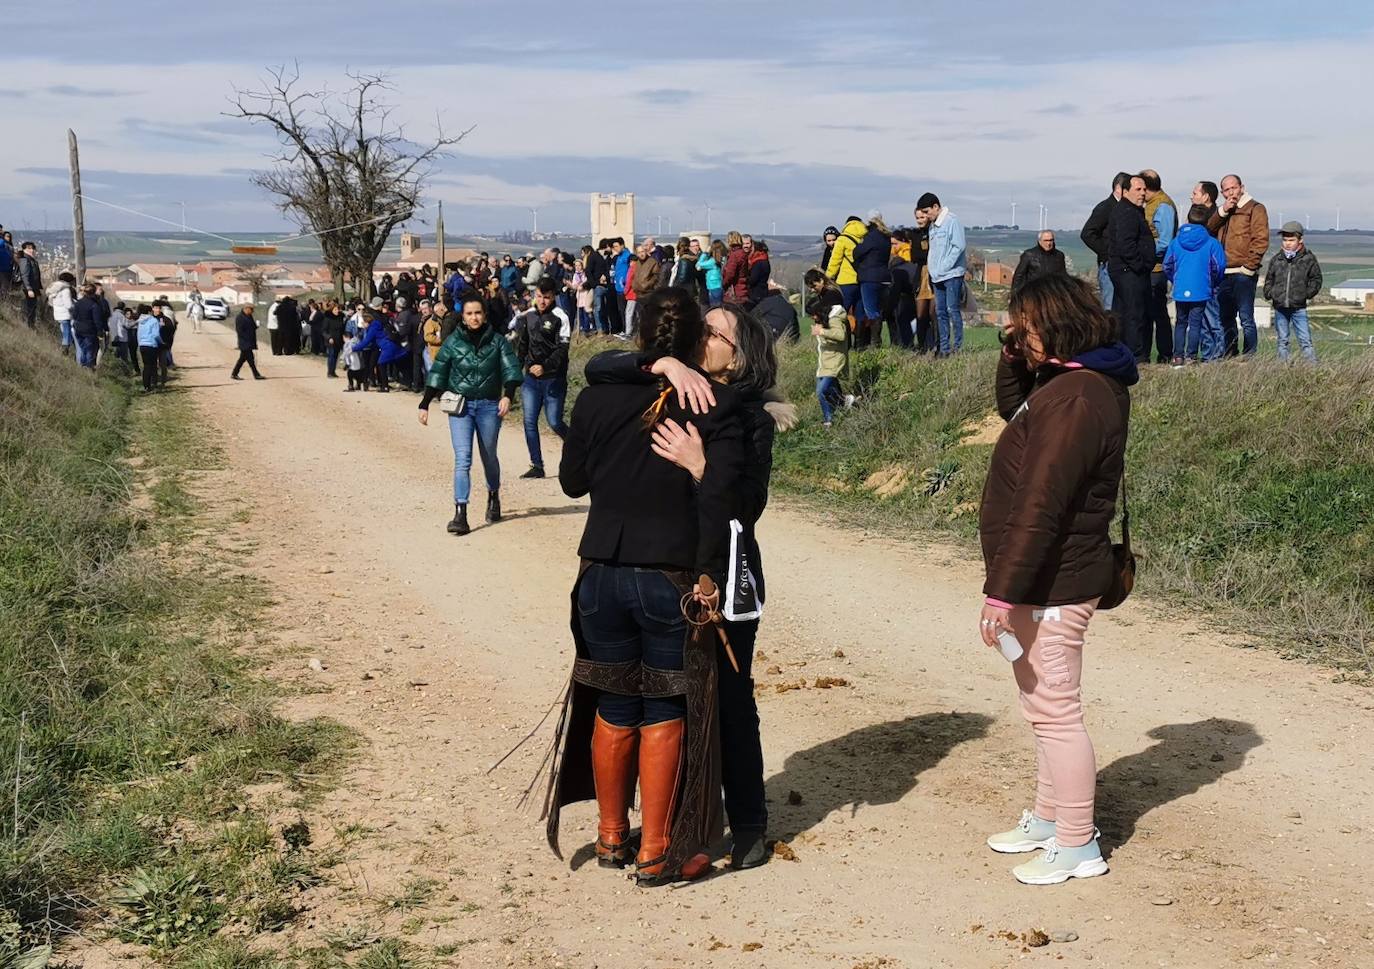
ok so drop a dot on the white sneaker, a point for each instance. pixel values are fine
(1058, 864)
(1030, 834)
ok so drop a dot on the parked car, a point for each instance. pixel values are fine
(216, 308)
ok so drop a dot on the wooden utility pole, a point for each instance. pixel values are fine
(439, 243)
(78, 215)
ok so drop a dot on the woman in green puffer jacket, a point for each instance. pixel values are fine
(480, 365)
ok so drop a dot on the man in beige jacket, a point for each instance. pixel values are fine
(1241, 224)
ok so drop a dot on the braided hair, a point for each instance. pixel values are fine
(670, 323)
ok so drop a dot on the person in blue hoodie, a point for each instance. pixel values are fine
(149, 345)
(1195, 263)
(388, 350)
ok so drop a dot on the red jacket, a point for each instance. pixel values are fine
(734, 277)
(630, 280)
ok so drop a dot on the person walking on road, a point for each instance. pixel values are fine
(1055, 473)
(246, 334)
(476, 372)
(542, 336)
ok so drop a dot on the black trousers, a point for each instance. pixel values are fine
(31, 311)
(1159, 318)
(150, 357)
(740, 746)
(276, 341)
(1130, 303)
(246, 356)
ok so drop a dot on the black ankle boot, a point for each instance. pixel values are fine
(493, 507)
(459, 525)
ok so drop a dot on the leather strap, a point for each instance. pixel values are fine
(661, 683)
(620, 678)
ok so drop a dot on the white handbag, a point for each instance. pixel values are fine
(452, 403)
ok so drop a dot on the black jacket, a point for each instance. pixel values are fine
(1037, 262)
(781, 318)
(757, 425)
(542, 338)
(332, 324)
(1094, 234)
(246, 329)
(760, 272)
(1130, 243)
(30, 275)
(646, 511)
(595, 266)
(872, 255)
(407, 327)
(86, 317)
(1289, 283)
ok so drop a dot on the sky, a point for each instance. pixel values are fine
(789, 115)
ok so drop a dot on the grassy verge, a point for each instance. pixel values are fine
(1252, 484)
(130, 728)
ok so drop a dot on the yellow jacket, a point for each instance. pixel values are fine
(841, 266)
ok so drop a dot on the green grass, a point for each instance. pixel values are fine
(129, 726)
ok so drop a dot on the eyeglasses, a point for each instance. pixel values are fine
(716, 334)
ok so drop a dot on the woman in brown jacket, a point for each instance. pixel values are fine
(1050, 496)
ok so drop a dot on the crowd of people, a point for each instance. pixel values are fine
(1213, 257)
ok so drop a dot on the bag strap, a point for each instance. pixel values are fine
(1125, 511)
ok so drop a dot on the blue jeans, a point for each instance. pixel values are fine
(547, 393)
(628, 614)
(1214, 350)
(1104, 286)
(480, 419)
(1236, 298)
(715, 297)
(331, 359)
(949, 319)
(849, 296)
(599, 320)
(871, 297)
(67, 337)
(1296, 320)
(87, 348)
(1192, 331)
(829, 393)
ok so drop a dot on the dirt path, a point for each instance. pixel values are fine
(1235, 788)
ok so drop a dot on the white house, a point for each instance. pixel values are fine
(1353, 290)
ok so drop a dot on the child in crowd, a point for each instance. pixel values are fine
(583, 289)
(1195, 263)
(830, 327)
(353, 361)
(1293, 278)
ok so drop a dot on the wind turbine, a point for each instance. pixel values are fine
(535, 212)
(1013, 215)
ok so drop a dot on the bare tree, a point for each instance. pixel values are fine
(344, 169)
(255, 276)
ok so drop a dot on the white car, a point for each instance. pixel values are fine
(216, 308)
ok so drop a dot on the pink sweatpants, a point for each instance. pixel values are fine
(1048, 677)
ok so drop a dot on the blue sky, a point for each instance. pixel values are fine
(792, 113)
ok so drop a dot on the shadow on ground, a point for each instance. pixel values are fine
(1187, 757)
(878, 764)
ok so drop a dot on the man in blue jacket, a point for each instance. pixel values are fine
(947, 266)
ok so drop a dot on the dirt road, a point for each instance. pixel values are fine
(1236, 794)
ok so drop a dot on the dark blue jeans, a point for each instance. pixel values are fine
(740, 747)
(331, 359)
(547, 393)
(628, 614)
(949, 314)
(1237, 299)
(1192, 331)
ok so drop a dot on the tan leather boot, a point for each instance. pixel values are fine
(615, 761)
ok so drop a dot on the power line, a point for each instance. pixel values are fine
(145, 215)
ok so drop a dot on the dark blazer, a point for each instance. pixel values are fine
(1094, 234)
(246, 329)
(645, 510)
(1036, 262)
(1130, 243)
